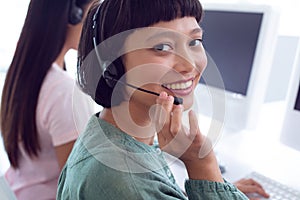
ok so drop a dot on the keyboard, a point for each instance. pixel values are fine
(276, 190)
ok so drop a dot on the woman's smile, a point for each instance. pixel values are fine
(180, 88)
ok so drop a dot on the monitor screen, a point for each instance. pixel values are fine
(230, 38)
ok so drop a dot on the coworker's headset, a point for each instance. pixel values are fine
(110, 72)
(75, 14)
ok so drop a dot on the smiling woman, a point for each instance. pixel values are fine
(155, 45)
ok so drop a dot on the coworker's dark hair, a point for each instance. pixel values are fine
(114, 17)
(40, 42)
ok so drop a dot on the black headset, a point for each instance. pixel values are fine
(110, 73)
(75, 14)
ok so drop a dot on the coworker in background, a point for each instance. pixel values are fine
(37, 123)
(155, 45)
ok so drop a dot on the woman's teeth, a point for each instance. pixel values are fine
(179, 86)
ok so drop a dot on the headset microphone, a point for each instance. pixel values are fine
(177, 100)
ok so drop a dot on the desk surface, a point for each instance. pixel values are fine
(251, 151)
(260, 150)
(255, 150)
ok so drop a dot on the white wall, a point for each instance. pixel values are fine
(12, 15)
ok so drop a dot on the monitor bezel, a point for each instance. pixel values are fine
(291, 122)
(241, 111)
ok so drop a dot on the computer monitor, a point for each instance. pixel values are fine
(290, 133)
(285, 54)
(239, 40)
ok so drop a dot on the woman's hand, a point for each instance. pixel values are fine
(250, 186)
(189, 145)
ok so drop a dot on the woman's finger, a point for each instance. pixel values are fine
(175, 120)
(163, 117)
(162, 110)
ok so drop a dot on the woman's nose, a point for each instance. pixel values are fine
(186, 61)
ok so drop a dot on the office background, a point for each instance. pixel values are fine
(12, 14)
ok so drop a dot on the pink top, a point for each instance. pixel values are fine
(37, 178)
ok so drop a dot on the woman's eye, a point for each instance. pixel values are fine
(162, 47)
(195, 42)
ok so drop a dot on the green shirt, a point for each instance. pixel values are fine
(107, 163)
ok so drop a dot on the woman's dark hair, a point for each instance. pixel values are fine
(114, 17)
(42, 38)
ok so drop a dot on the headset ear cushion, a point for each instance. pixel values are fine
(76, 15)
(110, 74)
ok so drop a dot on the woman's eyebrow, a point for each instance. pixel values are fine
(172, 34)
(160, 34)
(196, 30)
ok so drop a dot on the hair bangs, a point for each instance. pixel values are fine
(148, 12)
